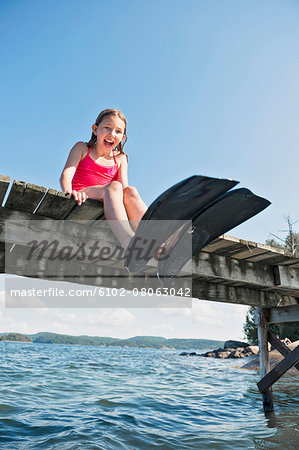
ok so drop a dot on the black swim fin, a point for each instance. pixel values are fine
(161, 220)
(230, 210)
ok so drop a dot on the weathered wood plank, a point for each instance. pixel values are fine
(254, 252)
(2, 257)
(286, 277)
(14, 199)
(262, 330)
(24, 197)
(269, 258)
(213, 268)
(4, 183)
(284, 314)
(249, 253)
(290, 262)
(239, 271)
(201, 289)
(205, 290)
(224, 249)
(90, 210)
(24, 228)
(56, 205)
(280, 346)
(280, 369)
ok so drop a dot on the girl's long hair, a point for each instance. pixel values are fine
(101, 116)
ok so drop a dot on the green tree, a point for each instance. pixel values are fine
(249, 327)
(282, 330)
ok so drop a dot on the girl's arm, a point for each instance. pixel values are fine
(123, 171)
(69, 170)
(70, 167)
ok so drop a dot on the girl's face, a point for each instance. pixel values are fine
(109, 132)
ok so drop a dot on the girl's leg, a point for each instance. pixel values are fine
(114, 209)
(134, 205)
(136, 208)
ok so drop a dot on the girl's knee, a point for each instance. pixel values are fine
(131, 191)
(114, 188)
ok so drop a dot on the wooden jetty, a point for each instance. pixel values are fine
(228, 270)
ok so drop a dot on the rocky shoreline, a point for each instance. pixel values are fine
(232, 349)
(237, 349)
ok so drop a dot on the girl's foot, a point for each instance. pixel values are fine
(159, 251)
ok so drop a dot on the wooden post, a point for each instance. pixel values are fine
(289, 361)
(280, 346)
(262, 329)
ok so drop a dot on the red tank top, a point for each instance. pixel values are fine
(90, 173)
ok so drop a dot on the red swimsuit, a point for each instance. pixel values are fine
(90, 173)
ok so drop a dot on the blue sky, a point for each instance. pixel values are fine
(208, 87)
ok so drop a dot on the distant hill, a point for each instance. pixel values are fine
(15, 337)
(137, 341)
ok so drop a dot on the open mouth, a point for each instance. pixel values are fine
(108, 143)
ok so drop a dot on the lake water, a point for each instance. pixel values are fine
(70, 397)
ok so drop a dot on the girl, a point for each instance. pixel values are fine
(98, 170)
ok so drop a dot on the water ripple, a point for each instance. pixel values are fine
(70, 397)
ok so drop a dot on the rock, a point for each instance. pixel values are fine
(209, 354)
(247, 354)
(219, 350)
(236, 354)
(274, 358)
(188, 354)
(235, 344)
(223, 354)
(254, 349)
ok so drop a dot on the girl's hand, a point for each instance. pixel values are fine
(80, 197)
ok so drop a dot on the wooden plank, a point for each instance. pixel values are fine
(225, 250)
(201, 289)
(290, 262)
(4, 183)
(249, 253)
(56, 205)
(205, 290)
(230, 246)
(294, 265)
(14, 199)
(2, 257)
(24, 197)
(284, 314)
(32, 196)
(24, 227)
(210, 267)
(268, 258)
(90, 210)
(280, 346)
(280, 369)
(286, 277)
(240, 271)
(262, 330)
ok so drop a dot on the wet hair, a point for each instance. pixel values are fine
(106, 113)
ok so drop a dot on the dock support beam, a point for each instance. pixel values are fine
(261, 320)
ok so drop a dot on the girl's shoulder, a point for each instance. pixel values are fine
(80, 148)
(120, 157)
